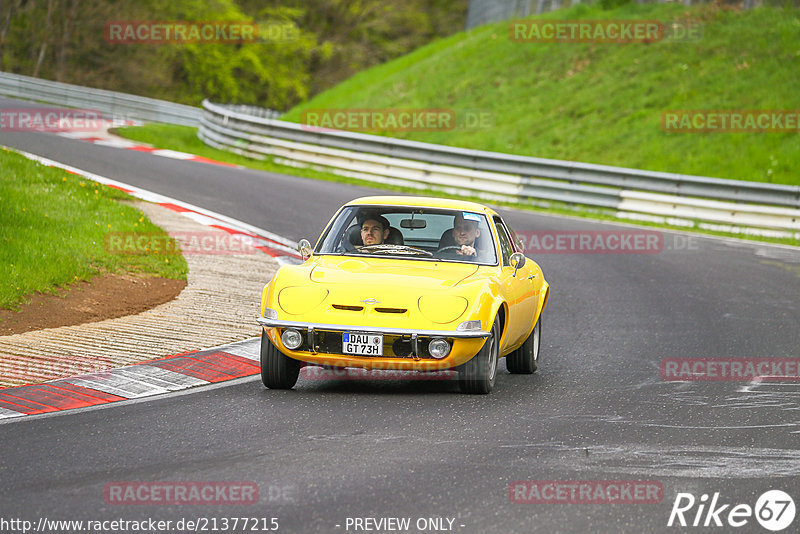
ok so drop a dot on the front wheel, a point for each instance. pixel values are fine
(277, 371)
(525, 360)
(478, 374)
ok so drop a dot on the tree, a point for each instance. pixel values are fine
(330, 40)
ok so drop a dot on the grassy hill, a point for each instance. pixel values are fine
(602, 103)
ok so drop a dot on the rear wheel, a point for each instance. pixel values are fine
(478, 374)
(525, 360)
(277, 371)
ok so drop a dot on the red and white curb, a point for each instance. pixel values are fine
(103, 139)
(283, 250)
(154, 377)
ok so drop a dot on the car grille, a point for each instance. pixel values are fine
(330, 342)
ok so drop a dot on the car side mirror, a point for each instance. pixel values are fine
(517, 261)
(304, 247)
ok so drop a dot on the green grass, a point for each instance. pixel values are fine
(53, 228)
(602, 103)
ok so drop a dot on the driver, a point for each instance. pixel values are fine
(465, 233)
(374, 228)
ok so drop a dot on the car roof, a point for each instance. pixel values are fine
(425, 202)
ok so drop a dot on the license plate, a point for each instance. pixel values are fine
(362, 344)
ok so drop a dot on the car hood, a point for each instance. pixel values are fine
(408, 274)
(379, 292)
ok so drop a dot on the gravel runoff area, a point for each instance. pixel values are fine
(219, 305)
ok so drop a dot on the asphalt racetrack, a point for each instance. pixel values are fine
(347, 456)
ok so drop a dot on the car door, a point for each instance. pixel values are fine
(534, 275)
(519, 289)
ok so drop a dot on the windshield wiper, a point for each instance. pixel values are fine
(401, 250)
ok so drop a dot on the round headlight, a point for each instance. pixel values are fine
(291, 338)
(439, 348)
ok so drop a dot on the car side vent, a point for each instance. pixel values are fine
(391, 310)
(347, 308)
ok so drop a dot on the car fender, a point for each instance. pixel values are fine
(543, 296)
(285, 276)
(488, 304)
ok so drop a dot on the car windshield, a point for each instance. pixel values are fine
(433, 234)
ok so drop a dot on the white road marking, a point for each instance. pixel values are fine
(8, 414)
(172, 154)
(159, 377)
(116, 143)
(116, 383)
(76, 135)
(200, 218)
(249, 348)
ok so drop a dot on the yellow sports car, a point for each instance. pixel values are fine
(410, 283)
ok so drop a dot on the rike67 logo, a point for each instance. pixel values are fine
(774, 510)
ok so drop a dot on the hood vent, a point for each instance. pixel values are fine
(391, 310)
(347, 308)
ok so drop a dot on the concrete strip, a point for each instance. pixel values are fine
(250, 349)
(119, 386)
(163, 378)
(177, 380)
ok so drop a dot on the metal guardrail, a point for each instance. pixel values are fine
(254, 111)
(494, 175)
(726, 204)
(119, 105)
(481, 12)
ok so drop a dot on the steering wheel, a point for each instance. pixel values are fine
(347, 245)
(451, 247)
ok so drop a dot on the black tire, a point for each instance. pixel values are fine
(277, 371)
(478, 374)
(525, 360)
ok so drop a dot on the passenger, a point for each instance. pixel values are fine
(464, 235)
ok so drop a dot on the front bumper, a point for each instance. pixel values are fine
(469, 334)
(318, 348)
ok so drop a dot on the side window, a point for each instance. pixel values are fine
(516, 242)
(505, 242)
